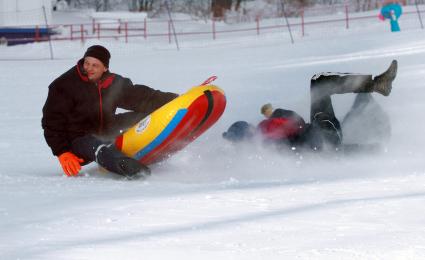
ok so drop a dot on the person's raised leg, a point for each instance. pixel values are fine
(366, 122)
(327, 84)
(324, 85)
(326, 127)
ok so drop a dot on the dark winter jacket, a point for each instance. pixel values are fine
(282, 124)
(76, 107)
(287, 128)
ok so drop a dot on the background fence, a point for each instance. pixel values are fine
(309, 23)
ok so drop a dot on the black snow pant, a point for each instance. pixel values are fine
(102, 150)
(325, 126)
(366, 123)
(91, 148)
(86, 147)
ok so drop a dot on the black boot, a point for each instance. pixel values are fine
(113, 160)
(383, 83)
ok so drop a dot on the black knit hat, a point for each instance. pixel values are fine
(99, 52)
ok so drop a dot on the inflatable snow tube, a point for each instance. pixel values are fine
(174, 125)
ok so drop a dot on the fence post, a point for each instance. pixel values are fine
(48, 33)
(213, 28)
(71, 32)
(119, 26)
(37, 33)
(257, 19)
(98, 31)
(93, 25)
(82, 32)
(126, 32)
(346, 17)
(172, 25)
(145, 24)
(288, 25)
(419, 14)
(169, 31)
(302, 22)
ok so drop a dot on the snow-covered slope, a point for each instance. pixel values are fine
(214, 200)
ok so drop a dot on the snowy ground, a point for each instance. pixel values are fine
(214, 200)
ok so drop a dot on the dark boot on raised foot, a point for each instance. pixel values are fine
(113, 160)
(383, 83)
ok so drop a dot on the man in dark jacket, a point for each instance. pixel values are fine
(287, 127)
(79, 116)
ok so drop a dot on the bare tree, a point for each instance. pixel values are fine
(238, 5)
(219, 7)
(98, 5)
(196, 8)
(145, 5)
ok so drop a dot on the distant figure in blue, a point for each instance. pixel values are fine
(391, 10)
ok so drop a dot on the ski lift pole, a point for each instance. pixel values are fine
(48, 33)
(419, 13)
(172, 24)
(286, 19)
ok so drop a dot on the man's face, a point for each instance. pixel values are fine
(94, 68)
(268, 112)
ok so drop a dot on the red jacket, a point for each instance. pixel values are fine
(282, 125)
(279, 128)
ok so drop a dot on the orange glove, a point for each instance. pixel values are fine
(70, 163)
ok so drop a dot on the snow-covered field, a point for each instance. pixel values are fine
(214, 200)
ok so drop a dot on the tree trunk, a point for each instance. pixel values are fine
(238, 5)
(144, 5)
(105, 5)
(218, 7)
